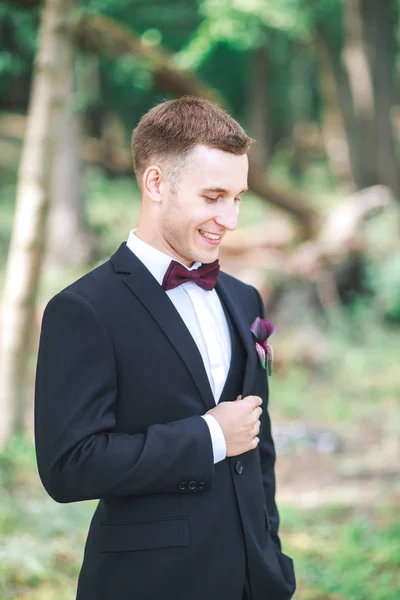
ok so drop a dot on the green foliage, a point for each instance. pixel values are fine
(247, 24)
(41, 541)
(126, 84)
(386, 281)
(243, 24)
(214, 38)
(360, 374)
(110, 220)
(18, 32)
(341, 553)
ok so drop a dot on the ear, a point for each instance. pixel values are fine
(154, 182)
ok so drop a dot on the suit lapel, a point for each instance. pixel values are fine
(238, 316)
(145, 287)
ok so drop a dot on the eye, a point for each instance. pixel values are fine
(210, 200)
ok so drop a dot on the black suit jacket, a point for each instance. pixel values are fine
(120, 390)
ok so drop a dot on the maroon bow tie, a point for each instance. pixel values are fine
(205, 276)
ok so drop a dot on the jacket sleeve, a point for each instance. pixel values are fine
(267, 454)
(79, 455)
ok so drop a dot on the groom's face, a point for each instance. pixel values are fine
(203, 205)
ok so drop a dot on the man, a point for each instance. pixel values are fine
(149, 389)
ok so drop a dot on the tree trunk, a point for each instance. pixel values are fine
(333, 129)
(52, 70)
(380, 21)
(346, 105)
(299, 100)
(257, 105)
(69, 239)
(355, 58)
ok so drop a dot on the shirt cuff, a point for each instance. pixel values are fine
(217, 438)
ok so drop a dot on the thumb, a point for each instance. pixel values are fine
(239, 397)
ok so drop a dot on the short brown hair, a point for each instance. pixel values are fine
(172, 129)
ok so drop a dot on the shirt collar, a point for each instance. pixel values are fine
(154, 260)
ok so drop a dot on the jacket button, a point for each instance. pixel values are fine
(182, 486)
(192, 485)
(201, 485)
(239, 467)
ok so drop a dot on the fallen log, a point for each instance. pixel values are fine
(310, 268)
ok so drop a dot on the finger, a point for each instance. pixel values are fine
(254, 442)
(256, 413)
(257, 401)
(239, 397)
(254, 401)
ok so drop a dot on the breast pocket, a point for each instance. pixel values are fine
(129, 537)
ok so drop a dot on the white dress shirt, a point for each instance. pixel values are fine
(203, 315)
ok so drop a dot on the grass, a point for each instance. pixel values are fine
(360, 377)
(340, 554)
(42, 542)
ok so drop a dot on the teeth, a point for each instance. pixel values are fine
(210, 236)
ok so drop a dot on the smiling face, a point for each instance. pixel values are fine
(189, 220)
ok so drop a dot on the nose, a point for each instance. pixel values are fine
(228, 217)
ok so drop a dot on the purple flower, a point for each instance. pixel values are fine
(262, 330)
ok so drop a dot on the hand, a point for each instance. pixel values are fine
(240, 423)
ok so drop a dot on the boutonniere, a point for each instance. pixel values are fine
(262, 329)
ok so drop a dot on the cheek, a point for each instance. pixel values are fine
(205, 214)
(186, 215)
(177, 225)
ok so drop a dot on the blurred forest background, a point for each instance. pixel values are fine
(316, 83)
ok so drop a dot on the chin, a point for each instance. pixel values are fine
(204, 255)
(207, 258)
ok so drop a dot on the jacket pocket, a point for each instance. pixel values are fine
(160, 533)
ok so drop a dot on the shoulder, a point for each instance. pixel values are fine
(89, 289)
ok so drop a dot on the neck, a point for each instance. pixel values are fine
(146, 234)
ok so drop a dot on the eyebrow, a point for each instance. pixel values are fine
(221, 190)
